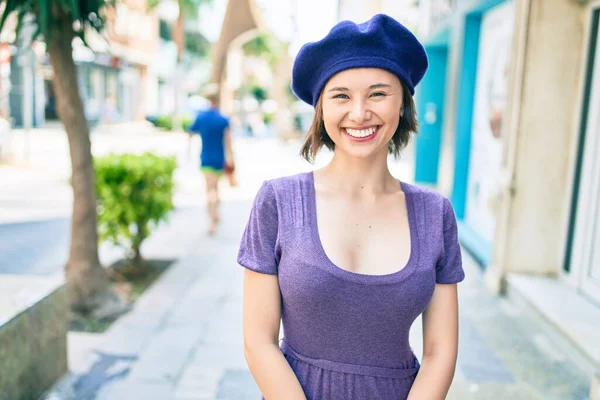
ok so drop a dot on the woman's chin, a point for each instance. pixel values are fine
(362, 152)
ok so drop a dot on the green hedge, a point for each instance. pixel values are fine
(186, 123)
(134, 193)
(166, 122)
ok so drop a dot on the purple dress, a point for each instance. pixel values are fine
(345, 333)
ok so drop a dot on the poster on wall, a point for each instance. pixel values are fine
(487, 143)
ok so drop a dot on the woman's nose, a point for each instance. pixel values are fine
(359, 112)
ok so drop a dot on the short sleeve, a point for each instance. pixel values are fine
(259, 249)
(449, 268)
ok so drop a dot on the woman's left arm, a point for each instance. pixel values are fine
(440, 345)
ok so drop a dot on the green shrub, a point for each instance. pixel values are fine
(259, 93)
(164, 122)
(186, 123)
(268, 118)
(134, 193)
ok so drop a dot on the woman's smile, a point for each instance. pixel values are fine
(362, 133)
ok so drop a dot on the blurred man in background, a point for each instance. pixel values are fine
(216, 156)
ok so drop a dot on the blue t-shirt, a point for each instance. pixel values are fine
(211, 126)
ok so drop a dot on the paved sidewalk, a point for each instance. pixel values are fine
(184, 335)
(184, 338)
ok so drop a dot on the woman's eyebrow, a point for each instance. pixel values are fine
(379, 86)
(338, 89)
(345, 89)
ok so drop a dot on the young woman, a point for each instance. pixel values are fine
(216, 154)
(347, 257)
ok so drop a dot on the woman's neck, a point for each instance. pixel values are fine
(358, 175)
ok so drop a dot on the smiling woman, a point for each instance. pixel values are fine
(363, 100)
(347, 257)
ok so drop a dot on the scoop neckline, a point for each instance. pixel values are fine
(358, 277)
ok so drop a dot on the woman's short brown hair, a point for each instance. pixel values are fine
(317, 136)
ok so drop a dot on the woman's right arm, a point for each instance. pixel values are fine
(262, 314)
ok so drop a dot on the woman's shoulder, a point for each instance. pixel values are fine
(285, 189)
(424, 194)
(291, 184)
(285, 195)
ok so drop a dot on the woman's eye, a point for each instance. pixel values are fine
(378, 94)
(341, 96)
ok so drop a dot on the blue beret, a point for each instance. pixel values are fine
(382, 42)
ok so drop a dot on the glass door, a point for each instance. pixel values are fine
(591, 277)
(586, 255)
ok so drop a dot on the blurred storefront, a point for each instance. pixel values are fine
(24, 96)
(510, 131)
(470, 42)
(113, 72)
(117, 83)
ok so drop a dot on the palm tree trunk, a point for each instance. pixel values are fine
(86, 279)
(179, 39)
(179, 31)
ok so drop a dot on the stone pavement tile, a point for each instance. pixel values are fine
(547, 347)
(156, 337)
(80, 356)
(199, 382)
(226, 329)
(495, 391)
(132, 332)
(172, 344)
(527, 363)
(517, 345)
(127, 339)
(166, 354)
(477, 361)
(107, 368)
(127, 390)
(219, 356)
(237, 384)
(205, 289)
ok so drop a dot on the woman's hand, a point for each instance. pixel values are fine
(440, 345)
(262, 314)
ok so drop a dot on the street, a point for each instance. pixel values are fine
(34, 247)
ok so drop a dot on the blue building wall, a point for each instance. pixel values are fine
(432, 91)
(430, 104)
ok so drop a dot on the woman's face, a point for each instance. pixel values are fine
(361, 110)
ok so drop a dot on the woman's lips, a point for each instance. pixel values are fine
(365, 138)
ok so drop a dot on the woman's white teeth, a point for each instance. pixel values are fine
(361, 133)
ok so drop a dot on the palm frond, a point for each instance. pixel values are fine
(11, 6)
(57, 14)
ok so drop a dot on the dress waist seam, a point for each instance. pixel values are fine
(356, 369)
